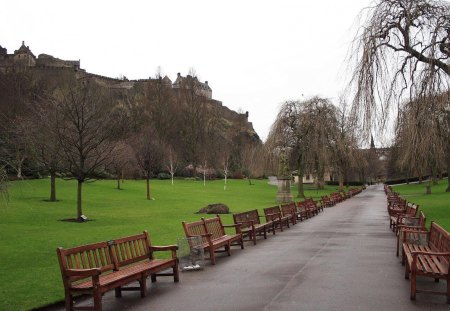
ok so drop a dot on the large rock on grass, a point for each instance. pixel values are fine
(216, 208)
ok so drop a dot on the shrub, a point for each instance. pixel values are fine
(163, 175)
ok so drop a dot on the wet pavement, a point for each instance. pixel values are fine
(342, 259)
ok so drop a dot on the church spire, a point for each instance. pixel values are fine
(372, 143)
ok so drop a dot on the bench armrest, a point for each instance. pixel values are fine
(416, 253)
(273, 214)
(82, 272)
(162, 248)
(410, 228)
(204, 235)
(237, 227)
(233, 225)
(246, 222)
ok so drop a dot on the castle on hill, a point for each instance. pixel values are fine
(23, 59)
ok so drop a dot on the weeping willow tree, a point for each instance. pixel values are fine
(402, 54)
(422, 134)
(308, 130)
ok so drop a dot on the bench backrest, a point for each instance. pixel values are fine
(88, 256)
(252, 215)
(131, 249)
(287, 209)
(214, 226)
(326, 198)
(194, 229)
(268, 211)
(439, 238)
(310, 202)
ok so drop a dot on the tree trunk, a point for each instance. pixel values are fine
(52, 186)
(148, 187)
(300, 188)
(19, 171)
(118, 182)
(341, 181)
(79, 210)
(448, 172)
(250, 181)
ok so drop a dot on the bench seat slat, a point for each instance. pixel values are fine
(128, 271)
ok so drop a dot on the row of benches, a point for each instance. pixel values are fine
(96, 268)
(249, 225)
(425, 253)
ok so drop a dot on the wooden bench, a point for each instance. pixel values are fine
(326, 201)
(313, 206)
(94, 269)
(299, 213)
(427, 254)
(336, 197)
(411, 224)
(289, 211)
(275, 215)
(303, 210)
(410, 211)
(214, 237)
(251, 225)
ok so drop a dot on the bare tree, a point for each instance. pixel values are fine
(88, 123)
(3, 183)
(226, 168)
(345, 144)
(160, 106)
(288, 131)
(420, 137)
(252, 161)
(148, 155)
(14, 149)
(121, 158)
(172, 162)
(402, 53)
(42, 139)
(195, 116)
(308, 130)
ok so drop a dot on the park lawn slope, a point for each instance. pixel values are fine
(31, 228)
(436, 206)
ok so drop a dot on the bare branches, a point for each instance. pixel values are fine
(401, 52)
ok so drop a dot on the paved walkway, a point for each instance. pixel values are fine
(342, 259)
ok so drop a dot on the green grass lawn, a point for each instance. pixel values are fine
(436, 206)
(31, 230)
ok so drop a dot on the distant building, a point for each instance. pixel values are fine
(188, 82)
(23, 59)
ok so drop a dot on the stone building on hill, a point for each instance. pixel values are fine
(200, 88)
(23, 59)
(55, 69)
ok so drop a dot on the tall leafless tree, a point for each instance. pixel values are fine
(88, 123)
(148, 155)
(42, 139)
(121, 159)
(160, 104)
(402, 54)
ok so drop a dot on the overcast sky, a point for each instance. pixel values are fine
(254, 54)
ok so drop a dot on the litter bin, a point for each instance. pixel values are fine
(190, 254)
